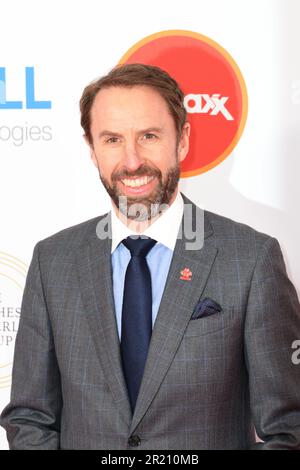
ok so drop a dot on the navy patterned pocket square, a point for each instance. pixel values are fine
(205, 307)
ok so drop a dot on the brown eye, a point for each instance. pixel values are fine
(112, 140)
(149, 136)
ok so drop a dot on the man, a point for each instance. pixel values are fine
(151, 341)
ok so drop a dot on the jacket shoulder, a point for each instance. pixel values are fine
(227, 230)
(71, 236)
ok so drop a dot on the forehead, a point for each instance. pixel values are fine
(122, 105)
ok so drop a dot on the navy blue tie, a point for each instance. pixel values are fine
(136, 315)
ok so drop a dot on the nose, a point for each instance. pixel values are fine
(132, 158)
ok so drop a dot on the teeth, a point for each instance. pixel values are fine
(137, 182)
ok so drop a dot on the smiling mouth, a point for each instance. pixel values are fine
(137, 182)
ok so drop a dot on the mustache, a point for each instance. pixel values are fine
(143, 170)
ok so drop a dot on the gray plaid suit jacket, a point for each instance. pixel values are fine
(207, 382)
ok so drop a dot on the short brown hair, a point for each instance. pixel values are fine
(129, 75)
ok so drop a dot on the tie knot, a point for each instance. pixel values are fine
(139, 246)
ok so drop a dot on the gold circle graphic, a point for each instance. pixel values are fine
(19, 267)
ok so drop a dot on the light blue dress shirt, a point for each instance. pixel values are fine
(158, 260)
(164, 230)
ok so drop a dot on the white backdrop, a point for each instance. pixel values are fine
(48, 181)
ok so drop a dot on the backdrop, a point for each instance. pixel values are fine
(51, 50)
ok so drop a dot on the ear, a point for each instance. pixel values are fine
(92, 152)
(183, 146)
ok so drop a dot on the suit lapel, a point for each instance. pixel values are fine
(95, 276)
(177, 304)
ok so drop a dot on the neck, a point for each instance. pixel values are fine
(137, 225)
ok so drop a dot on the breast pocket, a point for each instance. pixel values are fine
(211, 323)
(211, 352)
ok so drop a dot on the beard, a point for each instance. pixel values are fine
(144, 208)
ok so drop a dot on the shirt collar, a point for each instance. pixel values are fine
(164, 230)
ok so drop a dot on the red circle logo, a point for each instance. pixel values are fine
(214, 88)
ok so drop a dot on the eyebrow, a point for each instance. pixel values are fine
(106, 133)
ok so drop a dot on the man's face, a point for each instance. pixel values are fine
(135, 148)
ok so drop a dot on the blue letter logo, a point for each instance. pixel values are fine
(31, 102)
